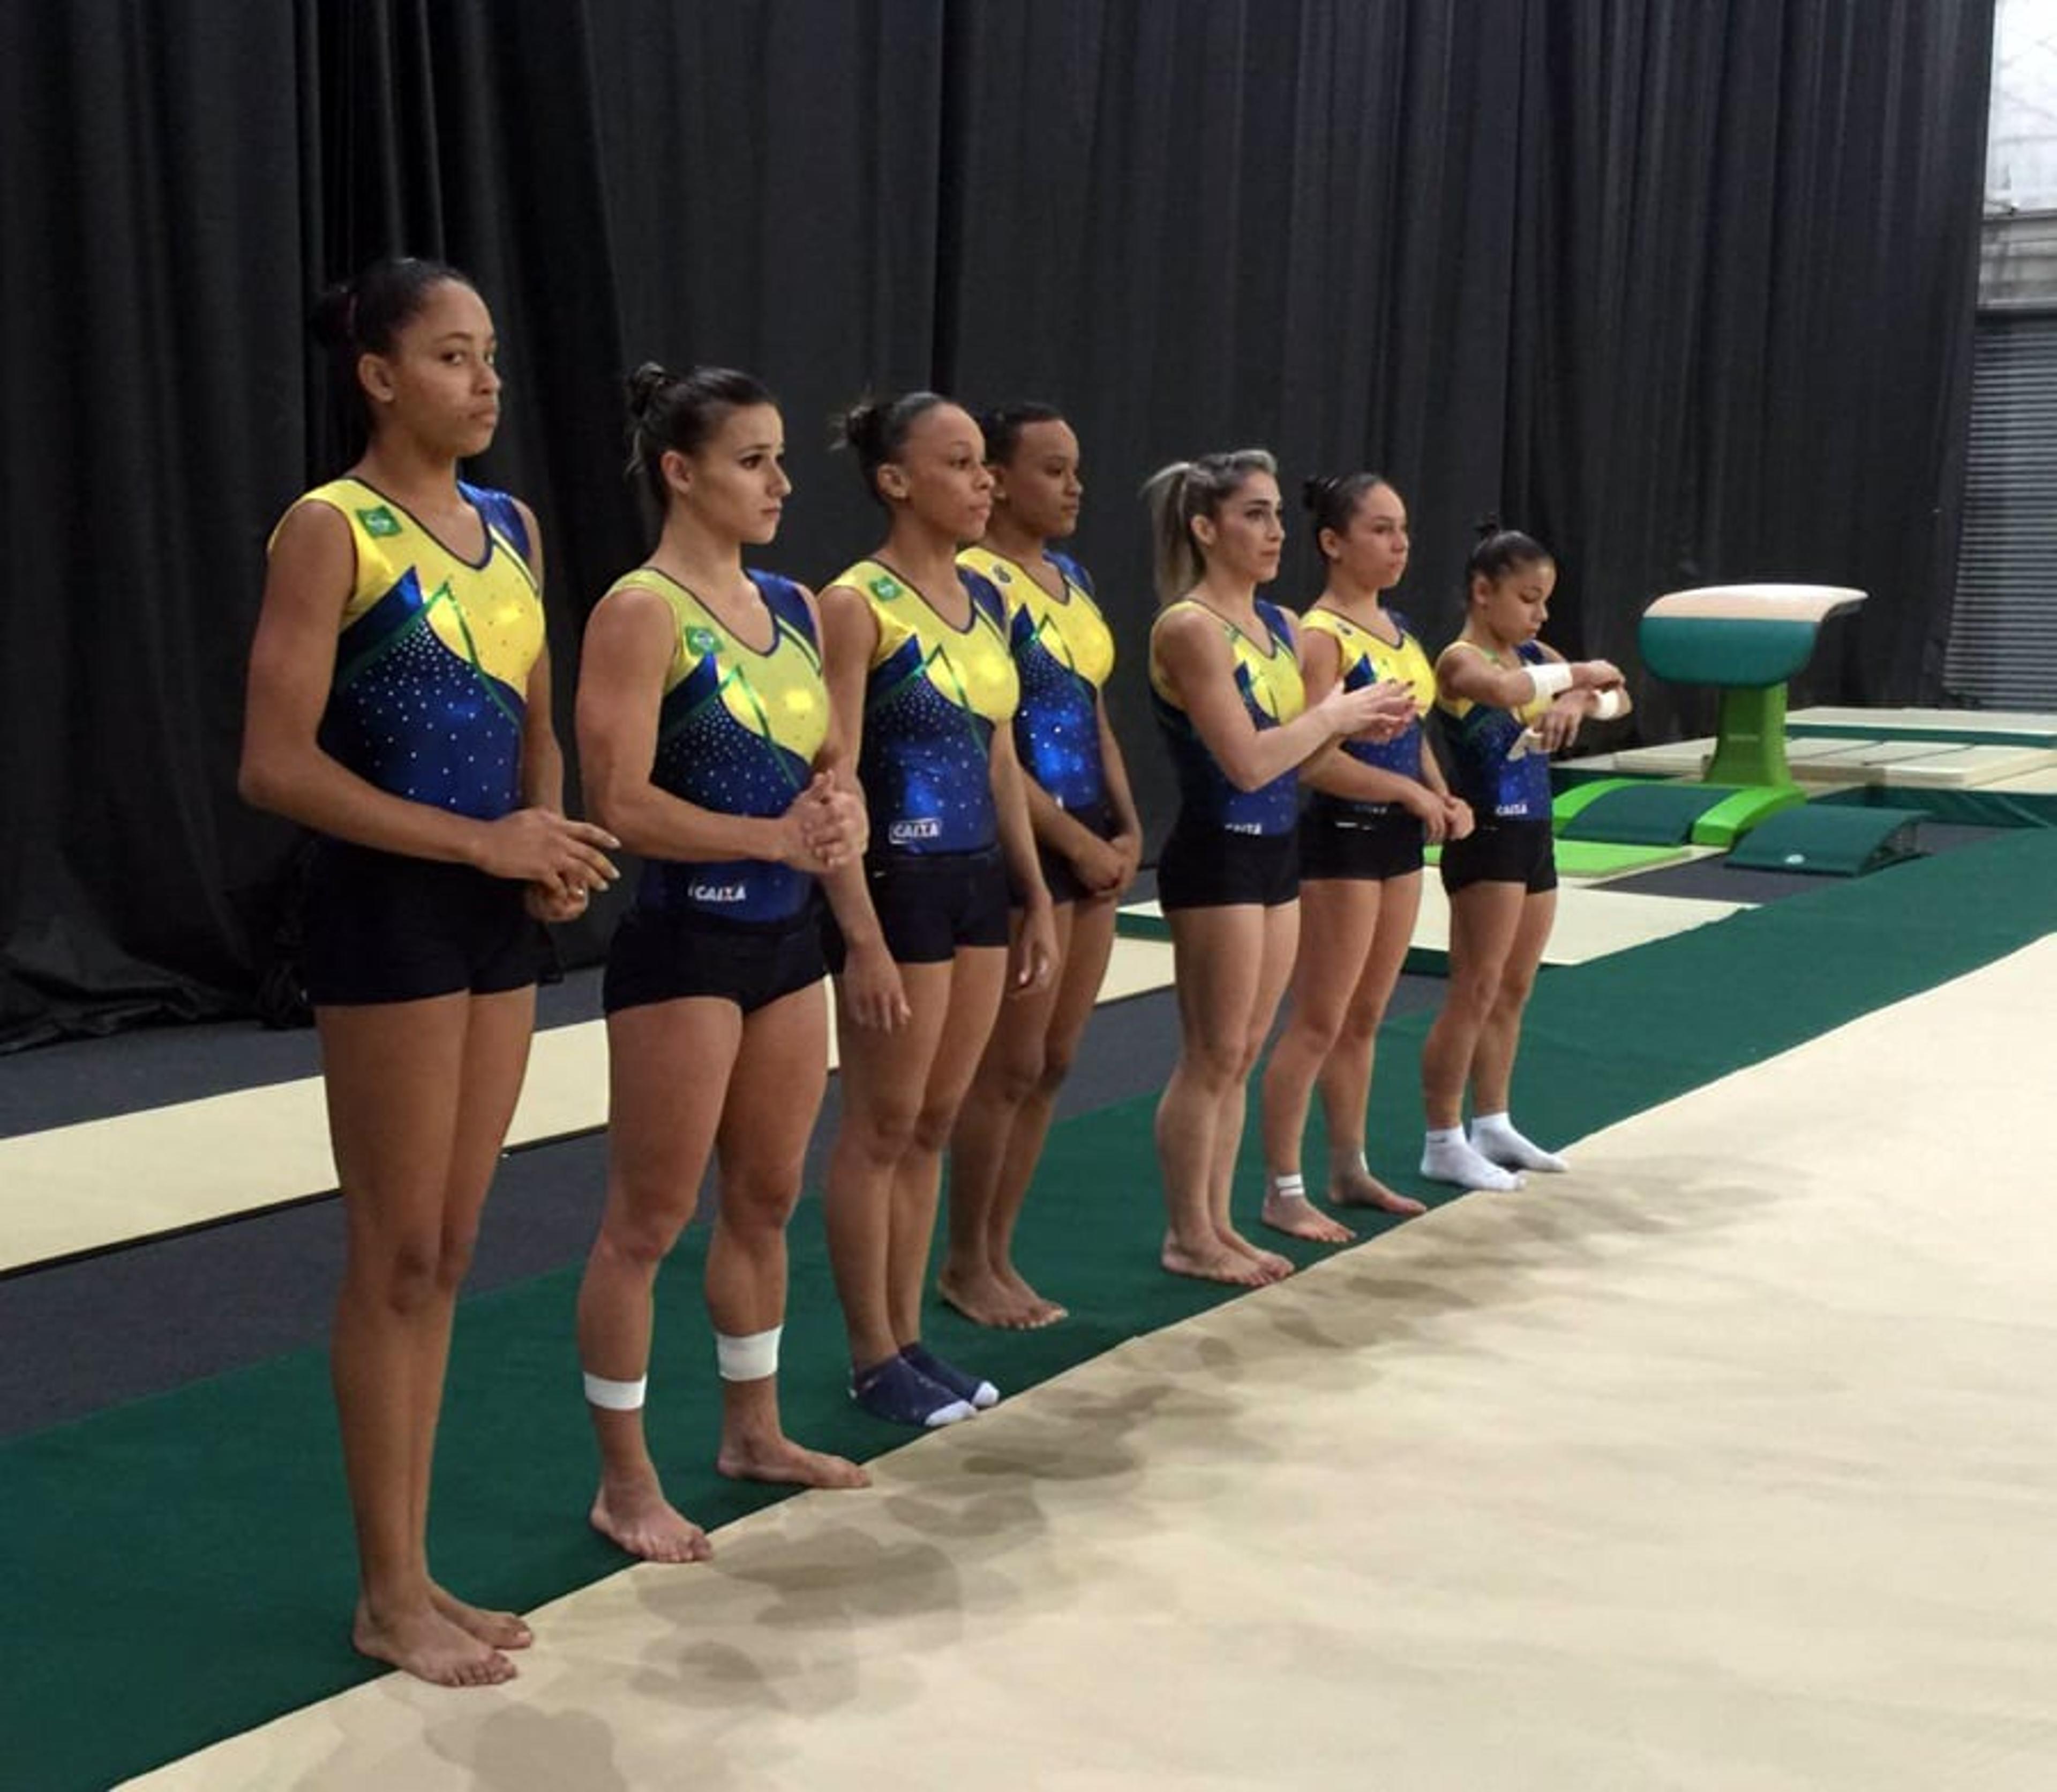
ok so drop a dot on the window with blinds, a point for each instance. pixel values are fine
(2003, 652)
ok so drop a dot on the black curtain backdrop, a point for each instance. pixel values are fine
(1684, 286)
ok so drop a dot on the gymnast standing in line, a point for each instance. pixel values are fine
(1508, 702)
(1088, 837)
(1375, 804)
(705, 743)
(1226, 687)
(923, 687)
(400, 705)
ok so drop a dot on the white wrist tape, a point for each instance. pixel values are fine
(750, 1358)
(1607, 705)
(1552, 677)
(616, 1397)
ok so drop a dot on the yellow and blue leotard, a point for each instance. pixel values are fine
(433, 661)
(933, 696)
(738, 731)
(1269, 678)
(1366, 659)
(1497, 787)
(1063, 651)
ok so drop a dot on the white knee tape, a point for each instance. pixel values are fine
(747, 1359)
(616, 1397)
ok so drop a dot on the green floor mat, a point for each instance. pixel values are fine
(179, 1569)
(1648, 814)
(1138, 923)
(1606, 859)
(1826, 842)
(1985, 805)
(1941, 736)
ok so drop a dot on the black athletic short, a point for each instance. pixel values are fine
(1364, 846)
(1057, 873)
(931, 904)
(1215, 868)
(665, 955)
(1522, 852)
(383, 927)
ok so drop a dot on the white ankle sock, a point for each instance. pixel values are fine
(1445, 1157)
(1493, 1137)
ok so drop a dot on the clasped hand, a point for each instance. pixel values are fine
(826, 826)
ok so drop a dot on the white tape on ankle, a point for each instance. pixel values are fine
(616, 1397)
(747, 1359)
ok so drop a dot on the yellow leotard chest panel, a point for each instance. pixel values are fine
(972, 668)
(1459, 707)
(778, 695)
(1073, 631)
(1406, 663)
(1270, 682)
(491, 613)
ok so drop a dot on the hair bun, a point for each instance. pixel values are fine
(334, 311)
(1316, 492)
(862, 427)
(1487, 527)
(644, 385)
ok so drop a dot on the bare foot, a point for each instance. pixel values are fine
(427, 1645)
(1297, 1217)
(780, 1459)
(1040, 1312)
(1273, 1266)
(498, 1630)
(1357, 1189)
(985, 1300)
(643, 1523)
(1217, 1264)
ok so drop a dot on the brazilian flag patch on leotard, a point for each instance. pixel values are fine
(379, 520)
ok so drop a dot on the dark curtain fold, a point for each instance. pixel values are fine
(1748, 258)
(769, 174)
(1280, 223)
(1684, 286)
(150, 352)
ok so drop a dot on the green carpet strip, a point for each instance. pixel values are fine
(179, 1570)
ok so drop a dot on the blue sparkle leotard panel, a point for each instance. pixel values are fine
(1366, 659)
(933, 696)
(1268, 677)
(433, 655)
(1497, 787)
(738, 732)
(1063, 651)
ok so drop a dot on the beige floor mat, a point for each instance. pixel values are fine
(1952, 757)
(1725, 1462)
(79, 1187)
(1592, 921)
(1966, 724)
